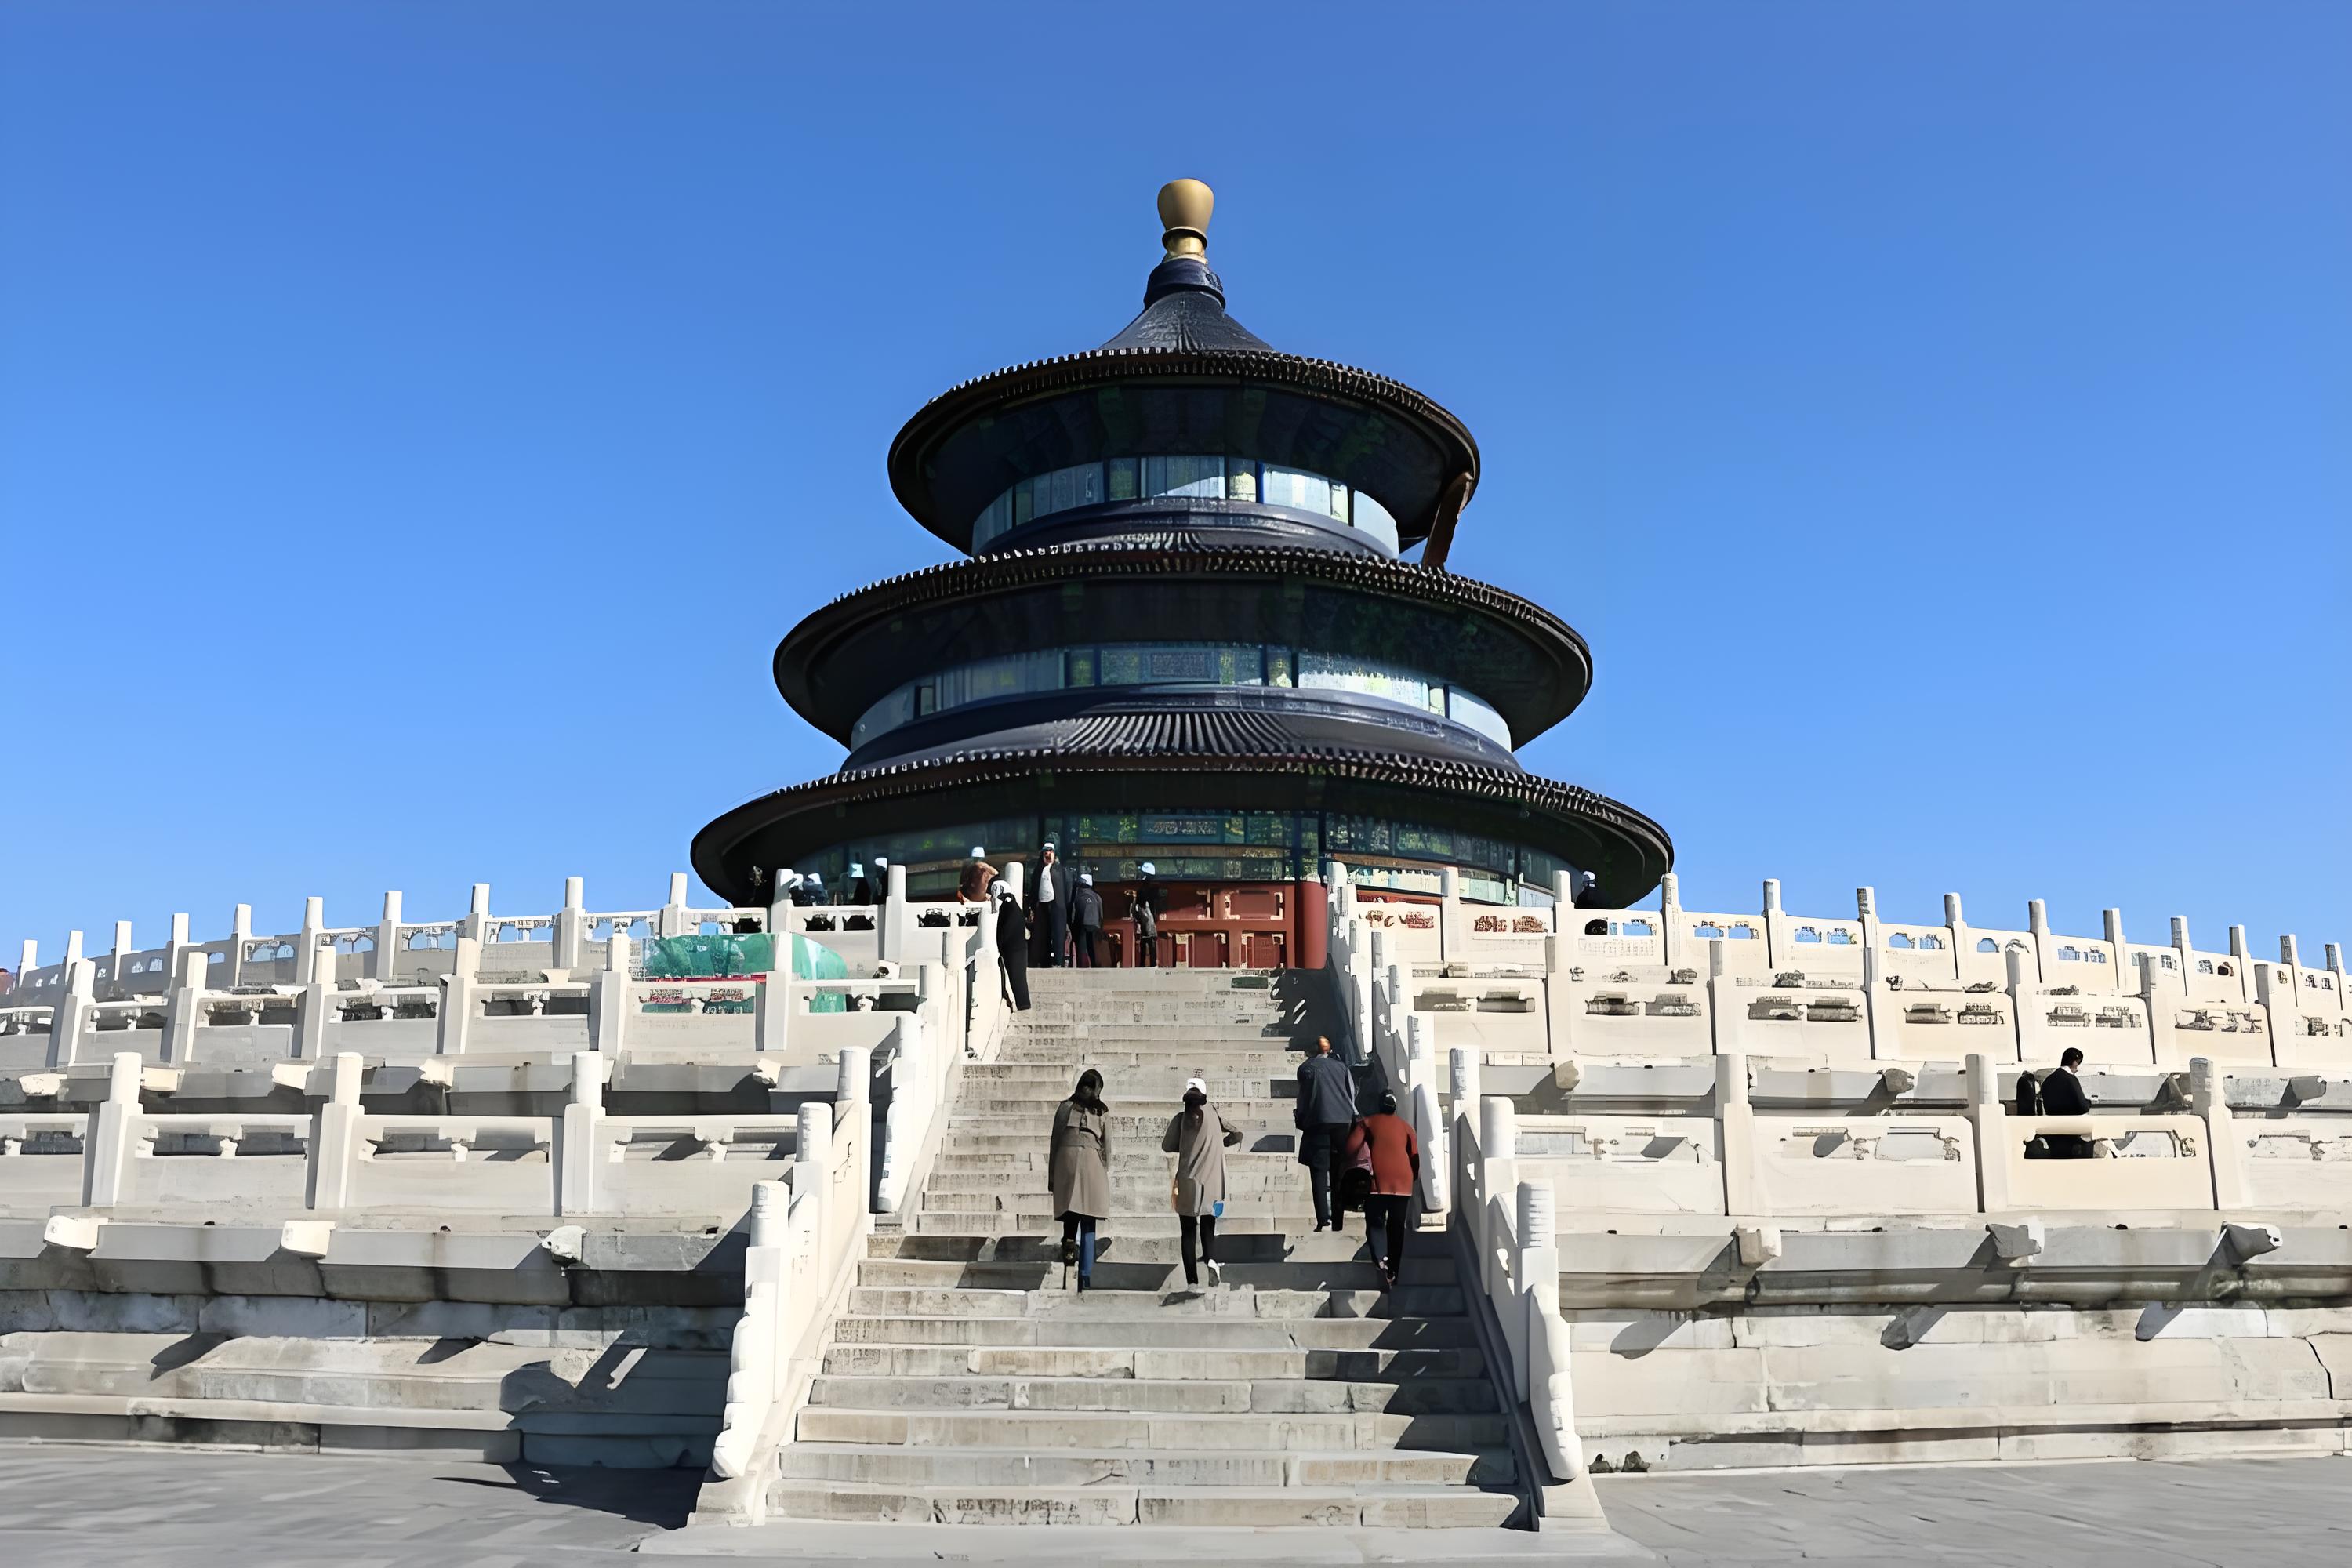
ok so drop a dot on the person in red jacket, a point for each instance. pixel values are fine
(1396, 1165)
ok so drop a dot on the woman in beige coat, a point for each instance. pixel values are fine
(1079, 1172)
(1199, 1138)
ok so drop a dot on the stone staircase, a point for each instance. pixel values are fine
(967, 1383)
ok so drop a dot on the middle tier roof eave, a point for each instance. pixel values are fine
(803, 653)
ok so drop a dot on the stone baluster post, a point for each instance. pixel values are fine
(113, 1141)
(1779, 946)
(2241, 962)
(813, 1175)
(571, 925)
(184, 1010)
(2118, 950)
(1991, 1120)
(308, 964)
(609, 1002)
(387, 940)
(476, 923)
(460, 999)
(1736, 1131)
(775, 1004)
(895, 927)
(1534, 1266)
(1453, 928)
(175, 951)
(1955, 922)
(335, 1135)
(581, 1137)
(2037, 923)
(118, 962)
(853, 1118)
(673, 921)
(1674, 932)
(2208, 1099)
(72, 1018)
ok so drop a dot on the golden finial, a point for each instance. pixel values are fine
(1184, 208)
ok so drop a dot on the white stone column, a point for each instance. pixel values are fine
(335, 1135)
(1452, 929)
(184, 1010)
(608, 998)
(118, 962)
(308, 964)
(1992, 1125)
(72, 1021)
(581, 1136)
(1736, 1120)
(175, 951)
(2208, 1099)
(673, 921)
(387, 940)
(1674, 932)
(113, 1140)
(571, 925)
(897, 920)
(460, 999)
(476, 923)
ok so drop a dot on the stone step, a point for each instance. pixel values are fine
(1135, 1396)
(1107, 1305)
(1431, 1257)
(1114, 1363)
(1125, 1272)
(1068, 1059)
(1299, 1221)
(1172, 1333)
(985, 1192)
(1019, 1111)
(1092, 1432)
(1037, 1157)
(1319, 1507)
(1018, 1135)
(1158, 1032)
(1160, 1080)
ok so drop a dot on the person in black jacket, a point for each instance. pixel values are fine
(1085, 922)
(1326, 1114)
(1150, 901)
(1012, 947)
(1049, 916)
(2063, 1095)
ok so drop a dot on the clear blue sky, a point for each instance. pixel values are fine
(418, 422)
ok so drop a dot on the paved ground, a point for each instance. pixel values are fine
(109, 1508)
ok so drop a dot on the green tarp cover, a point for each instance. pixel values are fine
(726, 957)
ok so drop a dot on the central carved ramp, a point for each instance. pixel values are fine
(966, 1385)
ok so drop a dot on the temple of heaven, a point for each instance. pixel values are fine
(1184, 633)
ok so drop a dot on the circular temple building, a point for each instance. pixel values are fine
(1184, 633)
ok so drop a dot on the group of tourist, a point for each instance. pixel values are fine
(1061, 925)
(1368, 1162)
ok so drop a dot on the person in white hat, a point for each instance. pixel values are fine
(1149, 902)
(1198, 1137)
(1085, 922)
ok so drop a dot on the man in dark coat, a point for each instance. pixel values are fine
(1326, 1113)
(2063, 1095)
(1012, 947)
(1150, 901)
(1049, 900)
(1085, 922)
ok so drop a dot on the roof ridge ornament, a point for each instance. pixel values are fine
(1184, 209)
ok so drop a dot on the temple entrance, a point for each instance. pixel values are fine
(1219, 925)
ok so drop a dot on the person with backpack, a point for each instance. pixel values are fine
(1325, 1115)
(1198, 1137)
(1383, 1145)
(1078, 1172)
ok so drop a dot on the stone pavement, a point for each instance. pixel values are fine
(114, 1508)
